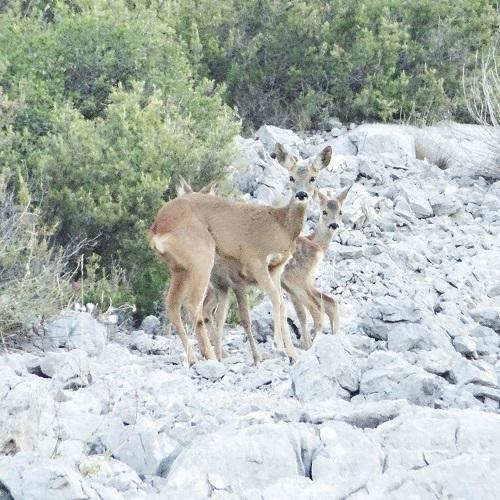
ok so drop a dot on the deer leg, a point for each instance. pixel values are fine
(209, 307)
(330, 307)
(195, 308)
(243, 308)
(300, 309)
(173, 302)
(285, 330)
(317, 316)
(220, 319)
(261, 275)
(199, 258)
(332, 311)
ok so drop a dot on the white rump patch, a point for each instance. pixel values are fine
(160, 242)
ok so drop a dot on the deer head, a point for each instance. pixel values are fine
(331, 207)
(303, 173)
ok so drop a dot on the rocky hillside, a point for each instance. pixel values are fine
(404, 403)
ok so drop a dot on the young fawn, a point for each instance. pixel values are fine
(189, 230)
(298, 276)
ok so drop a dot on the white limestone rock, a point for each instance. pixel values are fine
(142, 447)
(329, 369)
(75, 330)
(414, 337)
(269, 135)
(379, 139)
(487, 316)
(73, 369)
(211, 370)
(389, 376)
(254, 457)
(29, 477)
(151, 325)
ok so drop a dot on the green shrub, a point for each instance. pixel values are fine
(294, 63)
(108, 113)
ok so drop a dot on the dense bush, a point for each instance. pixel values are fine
(294, 62)
(105, 111)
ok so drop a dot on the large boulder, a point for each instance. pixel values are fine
(109, 476)
(389, 376)
(239, 460)
(449, 451)
(76, 330)
(376, 139)
(487, 316)
(29, 477)
(348, 459)
(463, 148)
(405, 337)
(329, 369)
(269, 135)
(142, 447)
(72, 369)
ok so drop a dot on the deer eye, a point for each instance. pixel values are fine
(325, 212)
(312, 179)
(292, 178)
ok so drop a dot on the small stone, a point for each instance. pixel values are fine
(151, 325)
(494, 291)
(487, 316)
(348, 252)
(444, 205)
(465, 345)
(71, 368)
(210, 369)
(78, 330)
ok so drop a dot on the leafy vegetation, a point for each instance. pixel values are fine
(296, 62)
(104, 113)
(104, 102)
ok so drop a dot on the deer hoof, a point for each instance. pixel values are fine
(210, 354)
(257, 359)
(307, 344)
(192, 358)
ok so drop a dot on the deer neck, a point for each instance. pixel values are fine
(295, 216)
(322, 235)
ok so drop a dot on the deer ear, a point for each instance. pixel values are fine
(283, 157)
(213, 187)
(320, 196)
(323, 159)
(343, 195)
(183, 187)
(209, 188)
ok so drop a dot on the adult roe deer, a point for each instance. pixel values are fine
(188, 230)
(297, 279)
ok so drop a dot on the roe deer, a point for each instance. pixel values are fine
(190, 229)
(297, 279)
(298, 276)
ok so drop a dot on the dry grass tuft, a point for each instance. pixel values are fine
(35, 277)
(483, 101)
